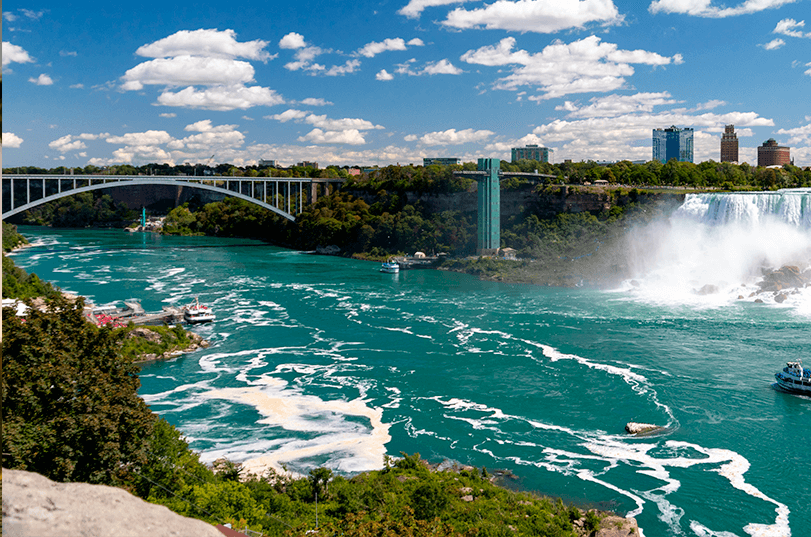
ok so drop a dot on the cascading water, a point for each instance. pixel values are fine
(715, 248)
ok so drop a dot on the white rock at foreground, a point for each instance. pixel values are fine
(34, 506)
(638, 428)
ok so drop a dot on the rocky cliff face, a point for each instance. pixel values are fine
(34, 506)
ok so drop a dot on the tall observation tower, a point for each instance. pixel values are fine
(489, 240)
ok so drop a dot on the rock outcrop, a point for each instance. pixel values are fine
(34, 506)
(641, 428)
(615, 526)
(785, 277)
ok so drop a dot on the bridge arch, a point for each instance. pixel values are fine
(123, 181)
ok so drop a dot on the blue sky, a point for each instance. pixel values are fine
(394, 81)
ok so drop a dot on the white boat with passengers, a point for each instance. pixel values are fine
(197, 313)
(795, 378)
(391, 266)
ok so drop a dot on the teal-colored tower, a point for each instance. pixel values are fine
(489, 207)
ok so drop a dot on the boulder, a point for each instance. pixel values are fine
(145, 333)
(33, 506)
(708, 289)
(785, 277)
(640, 428)
(467, 498)
(780, 298)
(616, 526)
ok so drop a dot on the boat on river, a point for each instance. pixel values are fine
(795, 378)
(391, 266)
(196, 313)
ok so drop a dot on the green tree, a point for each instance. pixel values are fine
(70, 405)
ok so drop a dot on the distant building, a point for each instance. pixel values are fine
(442, 161)
(673, 143)
(532, 152)
(308, 164)
(771, 154)
(267, 163)
(729, 145)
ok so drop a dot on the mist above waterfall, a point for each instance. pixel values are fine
(717, 247)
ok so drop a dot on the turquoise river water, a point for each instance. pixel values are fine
(325, 361)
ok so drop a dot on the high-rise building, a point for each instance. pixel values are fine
(771, 154)
(442, 161)
(673, 143)
(532, 152)
(729, 145)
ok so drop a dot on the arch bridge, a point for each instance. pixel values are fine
(284, 196)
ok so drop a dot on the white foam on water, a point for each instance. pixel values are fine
(357, 447)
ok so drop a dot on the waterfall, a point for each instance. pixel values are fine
(792, 206)
(715, 248)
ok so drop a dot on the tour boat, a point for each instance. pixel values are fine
(795, 378)
(197, 313)
(391, 266)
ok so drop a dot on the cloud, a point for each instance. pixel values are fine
(67, 143)
(339, 70)
(304, 53)
(789, 27)
(210, 137)
(616, 105)
(311, 101)
(542, 16)
(374, 48)
(292, 41)
(583, 66)
(168, 114)
(454, 137)
(773, 44)
(414, 8)
(42, 80)
(340, 124)
(318, 136)
(10, 17)
(11, 140)
(797, 136)
(187, 70)
(68, 53)
(202, 58)
(76, 86)
(141, 138)
(34, 15)
(442, 67)
(14, 54)
(809, 71)
(288, 115)
(221, 98)
(208, 43)
(384, 75)
(613, 137)
(411, 138)
(702, 8)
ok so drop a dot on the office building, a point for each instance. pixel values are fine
(729, 145)
(673, 143)
(771, 154)
(532, 152)
(442, 161)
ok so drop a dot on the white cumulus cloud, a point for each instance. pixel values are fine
(11, 140)
(187, 70)
(414, 8)
(42, 80)
(704, 8)
(318, 136)
(384, 75)
(221, 98)
(454, 137)
(442, 67)
(288, 115)
(312, 101)
(210, 43)
(774, 44)
(542, 16)
(583, 66)
(790, 27)
(67, 143)
(14, 54)
(374, 48)
(339, 70)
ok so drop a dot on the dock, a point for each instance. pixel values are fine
(116, 316)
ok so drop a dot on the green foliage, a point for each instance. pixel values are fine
(70, 405)
(19, 284)
(12, 239)
(80, 210)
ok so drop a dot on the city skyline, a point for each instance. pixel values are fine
(398, 81)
